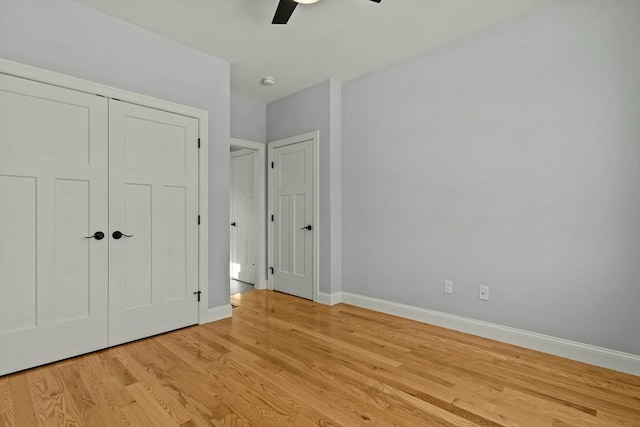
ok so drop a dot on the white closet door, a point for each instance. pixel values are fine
(53, 193)
(153, 197)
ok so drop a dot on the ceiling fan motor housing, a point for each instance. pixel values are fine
(286, 7)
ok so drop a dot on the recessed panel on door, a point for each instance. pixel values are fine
(72, 218)
(18, 253)
(137, 252)
(285, 249)
(65, 119)
(175, 245)
(299, 250)
(154, 146)
(53, 198)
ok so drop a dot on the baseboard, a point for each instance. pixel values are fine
(260, 285)
(329, 299)
(599, 356)
(218, 313)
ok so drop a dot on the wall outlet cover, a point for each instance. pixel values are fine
(448, 287)
(484, 293)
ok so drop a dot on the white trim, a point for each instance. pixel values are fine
(599, 356)
(329, 299)
(315, 138)
(261, 267)
(203, 209)
(69, 82)
(218, 313)
(61, 80)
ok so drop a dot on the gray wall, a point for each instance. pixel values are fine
(73, 39)
(248, 119)
(510, 159)
(335, 185)
(306, 111)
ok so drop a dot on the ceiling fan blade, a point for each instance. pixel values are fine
(284, 11)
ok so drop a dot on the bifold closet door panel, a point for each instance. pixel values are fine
(153, 198)
(53, 195)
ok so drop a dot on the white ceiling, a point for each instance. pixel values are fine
(339, 39)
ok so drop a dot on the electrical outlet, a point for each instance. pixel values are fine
(448, 287)
(484, 293)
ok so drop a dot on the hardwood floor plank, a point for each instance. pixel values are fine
(132, 374)
(284, 361)
(227, 370)
(136, 416)
(157, 412)
(6, 402)
(24, 413)
(53, 404)
(76, 388)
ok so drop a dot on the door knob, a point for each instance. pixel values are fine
(233, 224)
(308, 227)
(98, 235)
(117, 235)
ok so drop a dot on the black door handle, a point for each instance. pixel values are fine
(98, 235)
(233, 224)
(117, 235)
(308, 227)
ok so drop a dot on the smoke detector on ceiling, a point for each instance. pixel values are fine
(268, 81)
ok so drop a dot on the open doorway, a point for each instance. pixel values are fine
(248, 216)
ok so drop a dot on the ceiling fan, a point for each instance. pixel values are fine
(286, 8)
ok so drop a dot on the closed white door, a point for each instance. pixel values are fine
(292, 202)
(153, 202)
(243, 216)
(53, 197)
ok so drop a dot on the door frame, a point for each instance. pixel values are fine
(49, 77)
(314, 137)
(259, 188)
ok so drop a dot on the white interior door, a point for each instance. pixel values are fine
(53, 193)
(292, 204)
(153, 197)
(243, 216)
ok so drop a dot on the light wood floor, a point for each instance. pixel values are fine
(283, 361)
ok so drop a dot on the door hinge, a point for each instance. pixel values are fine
(198, 219)
(271, 218)
(198, 293)
(272, 270)
(198, 142)
(272, 165)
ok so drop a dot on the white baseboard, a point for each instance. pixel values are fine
(329, 299)
(260, 284)
(599, 356)
(218, 313)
